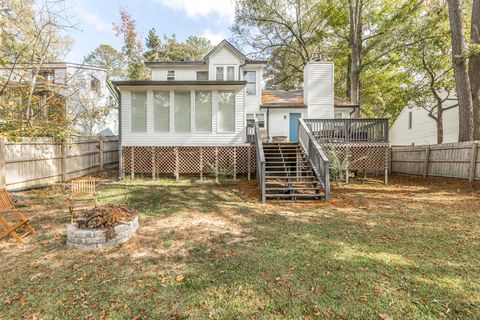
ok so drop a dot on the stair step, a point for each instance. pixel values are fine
(290, 182)
(291, 189)
(296, 195)
(290, 177)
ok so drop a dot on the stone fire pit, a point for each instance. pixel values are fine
(102, 227)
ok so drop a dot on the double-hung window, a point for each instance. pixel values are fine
(171, 75)
(139, 111)
(202, 75)
(259, 117)
(183, 111)
(230, 73)
(161, 111)
(226, 111)
(203, 111)
(219, 73)
(251, 78)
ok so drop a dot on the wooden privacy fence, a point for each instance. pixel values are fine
(40, 161)
(454, 160)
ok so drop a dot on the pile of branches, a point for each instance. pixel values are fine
(106, 217)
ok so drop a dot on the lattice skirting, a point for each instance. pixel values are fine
(227, 162)
(361, 156)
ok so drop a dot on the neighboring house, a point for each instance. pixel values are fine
(83, 90)
(413, 126)
(195, 117)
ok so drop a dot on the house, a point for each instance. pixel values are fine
(213, 117)
(86, 98)
(413, 126)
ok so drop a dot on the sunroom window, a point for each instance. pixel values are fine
(139, 112)
(226, 111)
(182, 111)
(161, 111)
(203, 111)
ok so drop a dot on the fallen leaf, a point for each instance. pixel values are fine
(180, 278)
(384, 316)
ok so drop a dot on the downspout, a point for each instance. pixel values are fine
(268, 124)
(120, 149)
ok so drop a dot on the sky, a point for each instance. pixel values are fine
(208, 18)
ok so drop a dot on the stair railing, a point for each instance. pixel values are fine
(316, 156)
(260, 161)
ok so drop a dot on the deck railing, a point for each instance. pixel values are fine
(349, 130)
(260, 160)
(317, 157)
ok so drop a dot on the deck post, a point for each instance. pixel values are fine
(234, 163)
(132, 159)
(425, 163)
(216, 164)
(153, 162)
(249, 155)
(473, 161)
(3, 182)
(177, 164)
(201, 163)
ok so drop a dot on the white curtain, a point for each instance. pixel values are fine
(203, 111)
(139, 112)
(226, 111)
(183, 109)
(161, 111)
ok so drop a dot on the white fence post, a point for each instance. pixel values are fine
(3, 180)
(63, 151)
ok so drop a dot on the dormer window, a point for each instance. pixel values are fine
(171, 75)
(231, 73)
(219, 76)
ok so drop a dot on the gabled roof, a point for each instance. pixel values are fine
(294, 99)
(175, 63)
(228, 45)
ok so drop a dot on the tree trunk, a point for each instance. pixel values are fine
(349, 67)
(439, 122)
(355, 42)
(460, 70)
(474, 69)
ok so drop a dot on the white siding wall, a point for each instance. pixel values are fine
(424, 129)
(151, 138)
(181, 73)
(252, 103)
(279, 120)
(319, 89)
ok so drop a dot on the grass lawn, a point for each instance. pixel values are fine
(409, 250)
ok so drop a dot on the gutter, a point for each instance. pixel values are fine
(120, 151)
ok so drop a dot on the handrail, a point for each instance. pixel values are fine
(260, 162)
(316, 156)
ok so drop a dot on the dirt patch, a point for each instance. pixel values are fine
(106, 217)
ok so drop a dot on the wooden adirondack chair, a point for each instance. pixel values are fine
(83, 195)
(20, 221)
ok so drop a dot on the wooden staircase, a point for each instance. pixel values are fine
(288, 173)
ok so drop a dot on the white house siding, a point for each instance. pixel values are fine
(319, 89)
(279, 121)
(181, 73)
(252, 102)
(424, 128)
(151, 138)
(223, 57)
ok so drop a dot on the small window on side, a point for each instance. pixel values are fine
(251, 78)
(410, 120)
(170, 75)
(202, 75)
(94, 84)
